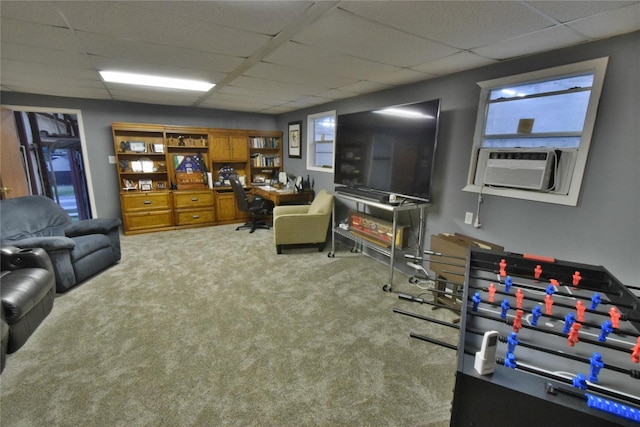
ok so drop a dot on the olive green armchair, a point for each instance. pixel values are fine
(303, 224)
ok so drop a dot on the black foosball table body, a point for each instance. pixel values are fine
(552, 375)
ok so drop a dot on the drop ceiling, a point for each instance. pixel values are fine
(274, 57)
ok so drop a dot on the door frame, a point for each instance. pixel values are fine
(83, 141)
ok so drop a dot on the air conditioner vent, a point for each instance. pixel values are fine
(527, 169)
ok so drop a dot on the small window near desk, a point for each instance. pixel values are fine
(320, 141)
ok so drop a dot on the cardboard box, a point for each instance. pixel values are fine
(377, 230)
(456, 246)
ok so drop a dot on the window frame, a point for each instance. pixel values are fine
(578, 156)
(312, 143)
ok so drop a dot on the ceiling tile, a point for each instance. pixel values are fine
(321, 60)
(566, 11)
(606, 24)
(309, 78)
(555, 37)
(343, 32)
(32, 11)
(463, 25)
(264, 17)
(45, 36)
(454, 63)
(41, 55)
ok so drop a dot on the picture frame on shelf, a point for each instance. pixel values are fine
(294, 140)
(145, 185)
(161, 185)
(138, 146)
(157, 148)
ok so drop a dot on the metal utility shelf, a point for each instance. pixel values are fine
(360, 242)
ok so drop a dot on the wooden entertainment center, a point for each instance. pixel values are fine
(174, 176)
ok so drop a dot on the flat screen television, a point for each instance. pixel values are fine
(388, 151)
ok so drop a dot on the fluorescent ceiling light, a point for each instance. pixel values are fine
(401, 112)
(155, 81)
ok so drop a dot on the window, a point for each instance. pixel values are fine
(320, 141)
(533, 133)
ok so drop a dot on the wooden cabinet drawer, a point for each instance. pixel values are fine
(192, 217)
(147, 220)
(146, 201)
(192, 199)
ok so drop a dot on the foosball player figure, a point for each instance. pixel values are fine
(508, 282)
(512, 342)
(635, 352)
(492, 292)
(574, 336)
(517, 321)
(550, 290)
(580, 309)
(605, 330)
(476, 300)
(595, 301)
(537, 272)
(576, 279)
(548, 304)
(596, 364)
(580, 381)
(615, 317)
(503, 267)
(510, 361)
(505, 308)
(535, 315)
(569, 319)
(519, 298)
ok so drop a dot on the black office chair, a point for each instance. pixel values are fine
(256, 206)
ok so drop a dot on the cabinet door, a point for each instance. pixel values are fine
(239, 148)
(219, 147)
(226, 206)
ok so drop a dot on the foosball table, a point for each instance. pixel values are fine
(545, 342)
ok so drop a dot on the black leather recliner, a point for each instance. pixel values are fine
(27, 290)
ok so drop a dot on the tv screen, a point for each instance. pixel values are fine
(389, 150)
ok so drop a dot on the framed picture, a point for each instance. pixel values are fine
(145, 184)
(295, 143)
(138, 146)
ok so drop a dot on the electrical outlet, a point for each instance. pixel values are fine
(112, 160)
(468, 218)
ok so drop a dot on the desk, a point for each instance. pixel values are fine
(283, 197)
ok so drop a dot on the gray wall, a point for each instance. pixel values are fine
(603, 229)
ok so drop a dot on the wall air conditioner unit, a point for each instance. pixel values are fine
(528, 169)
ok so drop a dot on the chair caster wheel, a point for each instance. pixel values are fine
(331, 255)
(412, 279)
(387, 288)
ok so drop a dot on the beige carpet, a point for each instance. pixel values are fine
(209, 327)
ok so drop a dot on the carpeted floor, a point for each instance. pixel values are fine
(209, 327)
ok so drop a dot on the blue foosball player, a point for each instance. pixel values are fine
(512, 342)
(505, 307)
(605, 330)
(569, 320)
(595, 300)
(535, 315)
(476, 300)
(510, 361)
(580, 381)
(596, 365)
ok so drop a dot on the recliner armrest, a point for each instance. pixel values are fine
(48, 243)
(14, 258)
(92, 226)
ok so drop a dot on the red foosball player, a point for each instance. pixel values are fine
(492, 292)
(548, 303)
(580, 309)
(615, 317)
(517, 322)
(573, 337)
(576, 279)
(519, 298)
(635, 352)
(503, 267)
(537, 272)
